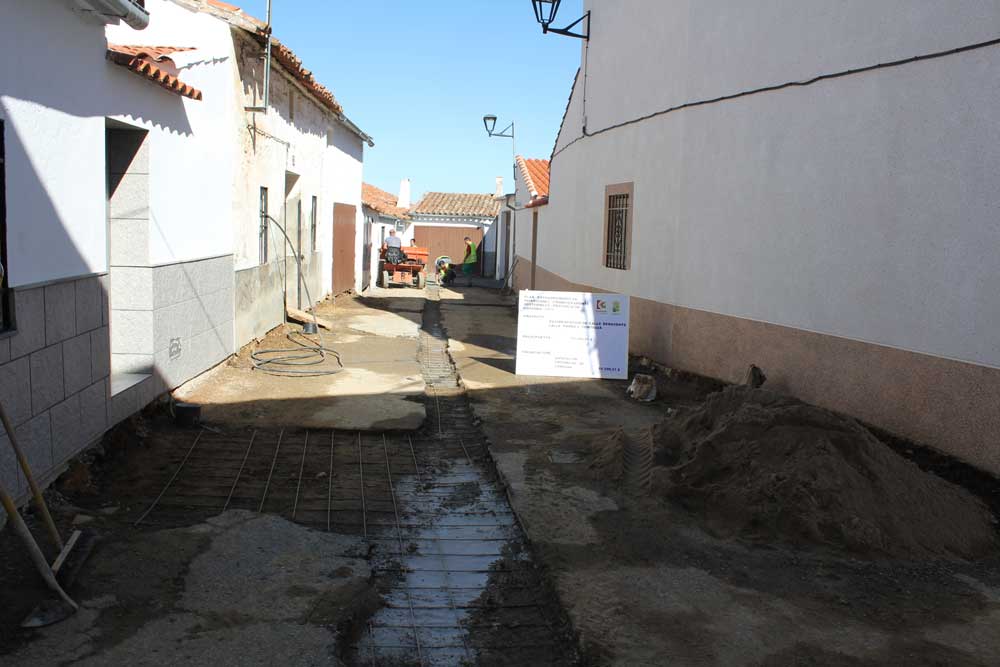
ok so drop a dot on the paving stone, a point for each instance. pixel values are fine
(4, 350)
(100, 350)
(94, 409)
(88, 304)
(132, 331)
(67, 432)
(60, 312)
(131, 363)
(47, 386)
(132, 287)
(77, 361)
(129, 197)
(10, 473)
(105, 282)
(131, 246)
(35, 438)
(15, 389)
(123, 406)
(29, 318)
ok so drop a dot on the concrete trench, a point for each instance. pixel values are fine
(449, 560)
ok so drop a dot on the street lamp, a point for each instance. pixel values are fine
(545, 13)
(490, 123)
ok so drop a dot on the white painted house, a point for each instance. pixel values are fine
(383, 211)
(294, 164)
(131, 219)
(803, 186)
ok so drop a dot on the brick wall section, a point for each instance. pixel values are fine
(54, 376)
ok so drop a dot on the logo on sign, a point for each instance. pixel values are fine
(601, 306)
(616, 307)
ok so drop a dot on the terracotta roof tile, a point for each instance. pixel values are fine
(153, 63)
(281, 53)
(535, 173)
(382, 202)
(458, 204)
(293, 64)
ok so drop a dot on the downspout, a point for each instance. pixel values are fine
(534, 244)
(267, 67)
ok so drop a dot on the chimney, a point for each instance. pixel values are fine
(499, 193)
(404, 194)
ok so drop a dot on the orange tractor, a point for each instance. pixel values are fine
(406, 267)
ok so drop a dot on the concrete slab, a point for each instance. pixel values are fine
(187, 595)
(380, 387)
(399, 325)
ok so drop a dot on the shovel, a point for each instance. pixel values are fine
(62, 606)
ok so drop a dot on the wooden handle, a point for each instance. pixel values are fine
(50, 525)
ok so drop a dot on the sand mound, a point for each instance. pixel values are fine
(769, 467)
(607, 457)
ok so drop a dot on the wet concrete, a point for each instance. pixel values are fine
(376, 384)
(459, 583)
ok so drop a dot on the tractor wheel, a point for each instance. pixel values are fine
(385, 279)
(422, 280)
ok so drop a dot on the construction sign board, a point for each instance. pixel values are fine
(572, 334)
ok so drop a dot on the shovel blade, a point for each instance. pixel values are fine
(48, 612)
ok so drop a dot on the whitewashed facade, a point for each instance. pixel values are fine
(131, 216)
(839, 231)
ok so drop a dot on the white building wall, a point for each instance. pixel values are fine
(863, 207)
(190, 214)
(53, 99)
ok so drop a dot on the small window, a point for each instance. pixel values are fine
(6, 309)
(618, 226)
(263, 226)
(291, 106)
(312, 222)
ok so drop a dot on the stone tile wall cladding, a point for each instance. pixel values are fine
(260, 295)
(131, 284)
(54, 372)
(192, 311)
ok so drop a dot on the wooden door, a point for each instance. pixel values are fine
(448, 241)
(344, 231)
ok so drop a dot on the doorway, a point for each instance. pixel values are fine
(344, 237)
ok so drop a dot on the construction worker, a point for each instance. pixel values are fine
(469, 262)
(445, 273)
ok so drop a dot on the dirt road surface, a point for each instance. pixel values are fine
(431, 507)
(645, 584)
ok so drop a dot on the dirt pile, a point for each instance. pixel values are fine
(769, 467)
(607, 457)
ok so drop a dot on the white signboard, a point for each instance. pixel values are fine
(572, 334)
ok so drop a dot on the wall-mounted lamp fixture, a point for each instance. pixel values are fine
(490, 123)
(545, 13)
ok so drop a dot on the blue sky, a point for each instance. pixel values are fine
(419, 76)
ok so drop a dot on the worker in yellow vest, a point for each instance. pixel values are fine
(469, 262)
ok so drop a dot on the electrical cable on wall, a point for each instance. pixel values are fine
(306, 353)
(765, 89)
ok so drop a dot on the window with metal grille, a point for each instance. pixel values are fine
(313, 222)
(618, 226)
(263, 226)
(6, 306)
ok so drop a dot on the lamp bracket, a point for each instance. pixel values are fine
(504, 132)
(568, 30)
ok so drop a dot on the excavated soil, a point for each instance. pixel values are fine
(767, 467)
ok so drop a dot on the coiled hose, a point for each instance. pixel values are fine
(298, 360)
